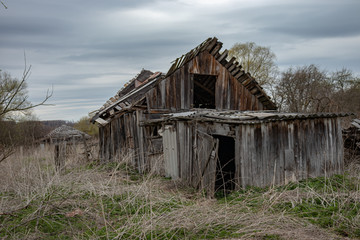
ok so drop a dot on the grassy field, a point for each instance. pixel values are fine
(112, 201)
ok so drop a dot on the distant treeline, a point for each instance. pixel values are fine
(27, 132)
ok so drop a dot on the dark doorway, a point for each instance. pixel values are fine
(204, 91)
(225, 167)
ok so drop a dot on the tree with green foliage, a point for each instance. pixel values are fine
(86, 126)
(257, 60)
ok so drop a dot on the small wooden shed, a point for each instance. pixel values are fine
(217, 150)
(65, 133)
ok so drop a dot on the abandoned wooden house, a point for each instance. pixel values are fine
(215, 127)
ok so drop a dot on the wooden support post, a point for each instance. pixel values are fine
(87, 149)
(60, 155)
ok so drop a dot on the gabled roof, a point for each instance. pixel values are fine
(213, 46)
(133, 92)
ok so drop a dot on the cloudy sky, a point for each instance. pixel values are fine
(85, 50)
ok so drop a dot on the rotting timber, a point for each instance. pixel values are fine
(158, 118)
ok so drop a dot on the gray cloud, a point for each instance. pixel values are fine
(87, 50)
(317, 19)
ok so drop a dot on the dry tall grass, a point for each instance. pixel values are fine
(112, 201)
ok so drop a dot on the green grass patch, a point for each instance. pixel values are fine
(330, 207)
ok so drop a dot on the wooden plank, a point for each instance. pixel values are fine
(212, 44)
(235, 71)
(206, 163)
(141, 141)
(216, 49)
(163, 92)
(265, 158)
(232, 67)
(177, 90)
(238, 176)
(181, 131)
(223, 55)
(239, 74)
(170, 152)
(230, 62)
(173, 93)
(228, 89)
(182, 81)
(168, 93)
(187, 93)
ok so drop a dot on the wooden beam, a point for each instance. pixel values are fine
(239, 74)
(232, 67)
(216, 49)
(205, 88)
(230, 62)
(211, 44)
(223, 55)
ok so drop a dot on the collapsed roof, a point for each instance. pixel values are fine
(133, 92)
(240, 117)
(66, 132)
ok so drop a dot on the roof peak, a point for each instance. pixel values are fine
(213, 46)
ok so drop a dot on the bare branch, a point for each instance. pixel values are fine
(13, 96)
(2, 3)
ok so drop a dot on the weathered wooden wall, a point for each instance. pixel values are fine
(125, 135)
(175, 92)
(278, 152)
(265, 153)
(122, 136)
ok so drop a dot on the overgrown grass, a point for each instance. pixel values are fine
(332, 202)
(113, 201)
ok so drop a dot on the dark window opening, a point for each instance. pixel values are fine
(204, 91)
(225, 166)
(153, 131)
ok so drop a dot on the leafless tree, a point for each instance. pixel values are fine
(301, 89)
(14, 99)
(309, 89)
(13, 94)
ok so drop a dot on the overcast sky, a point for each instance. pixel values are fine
(86, 50)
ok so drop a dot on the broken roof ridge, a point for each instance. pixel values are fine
(185, 58)
(117, 96)
(65, 131)
(213, 46)
(128, 83)
(149, 81)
